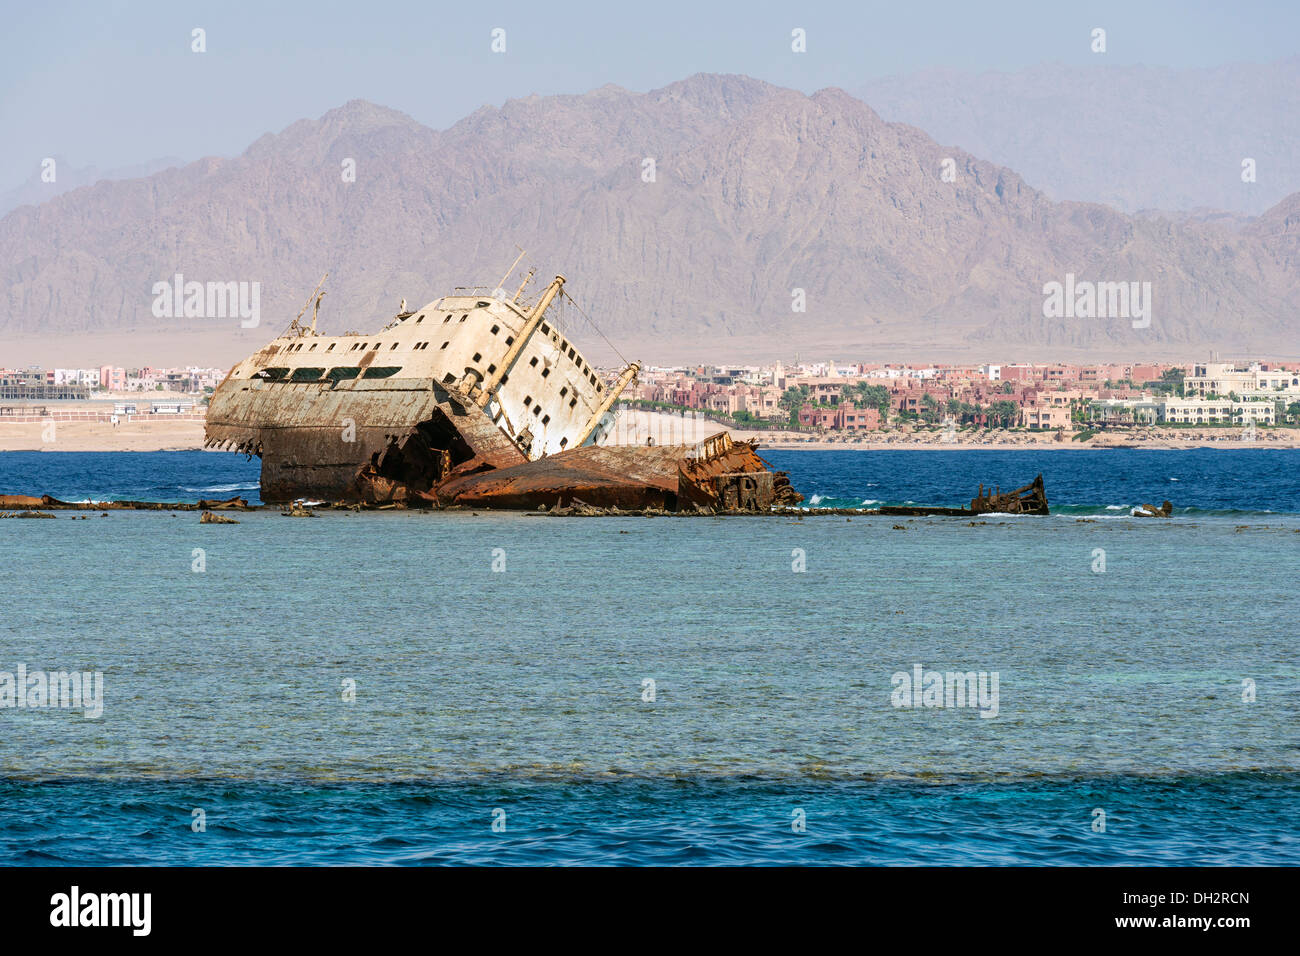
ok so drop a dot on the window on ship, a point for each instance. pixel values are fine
(381, 371)
(306, 374)
(343, 373)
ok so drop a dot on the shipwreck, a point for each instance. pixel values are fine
(478, 398)
(1030, 499)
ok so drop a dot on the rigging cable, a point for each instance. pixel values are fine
(595, 327)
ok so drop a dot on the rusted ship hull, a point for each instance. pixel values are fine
(718, 475)
(356, 445)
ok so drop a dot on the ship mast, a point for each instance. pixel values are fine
(502, 283)
(527, 279)
(316, 312)
(530, 326)
(294, 326)
(615, 391)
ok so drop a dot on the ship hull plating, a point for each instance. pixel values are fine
(374, 445)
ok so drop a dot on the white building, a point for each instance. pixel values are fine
(1182, 411)
(1124, 410)
(77, 376)
(1221, 378)
(1201, 411)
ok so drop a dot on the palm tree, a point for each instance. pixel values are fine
(1004, 412)
(929, 408)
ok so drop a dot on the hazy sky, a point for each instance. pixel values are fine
(115, 83)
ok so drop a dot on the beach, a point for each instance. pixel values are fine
(103, 436)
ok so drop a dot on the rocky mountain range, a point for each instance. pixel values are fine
(691, 222)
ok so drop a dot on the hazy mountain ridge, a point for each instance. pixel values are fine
(68, 177)
(758, 191)
(1134, 137)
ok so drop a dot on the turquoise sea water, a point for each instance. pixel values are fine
(1164, 690)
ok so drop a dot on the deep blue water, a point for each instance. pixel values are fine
(130, 475)
(522, 690)
(1078, 481)
(1237, 820)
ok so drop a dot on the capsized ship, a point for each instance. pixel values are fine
(476, 398)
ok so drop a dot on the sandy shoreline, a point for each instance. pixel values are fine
(172, 435)
(102, 436)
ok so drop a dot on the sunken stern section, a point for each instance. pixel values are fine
(469, 384)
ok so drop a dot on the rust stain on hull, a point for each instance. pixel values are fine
(373, 445)
(718, 475)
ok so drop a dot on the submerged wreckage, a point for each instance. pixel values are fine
(1031, 499)
(475, 399)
